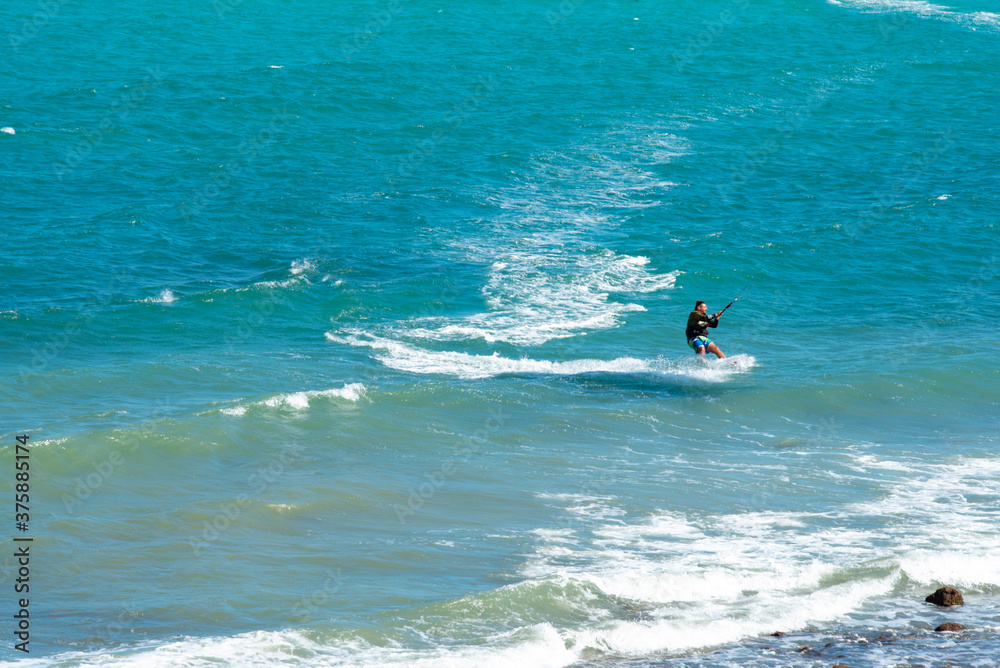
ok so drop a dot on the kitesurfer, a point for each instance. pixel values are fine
(697, 330)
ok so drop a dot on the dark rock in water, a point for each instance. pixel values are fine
(946, 596)
(950, 626)
(637, 612)
(778, 634)
(840, 665)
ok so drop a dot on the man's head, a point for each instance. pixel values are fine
(701, 307)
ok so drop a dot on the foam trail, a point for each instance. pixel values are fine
(923, 9)
(542, 294)
(413, 359)
(548, 278)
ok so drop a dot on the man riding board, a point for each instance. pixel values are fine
(697, 330)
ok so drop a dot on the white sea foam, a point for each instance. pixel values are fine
(698, 625)
(538, 646)
(754, 573)
(548, 276)
(549, 293)
(302, 266)
(7, 130)
(970, 567)
(299, 401)
(49, 441)
(414, 359)
(698, 581)
(862, 462)
(913, 6)
(989, 19)
(923, 9)
(541, 645)
(286, 283)
(299, 271)
(166, 296)
(947, 523)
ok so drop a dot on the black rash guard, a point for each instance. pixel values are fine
(698, 324)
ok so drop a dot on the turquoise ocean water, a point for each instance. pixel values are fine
(351, 333)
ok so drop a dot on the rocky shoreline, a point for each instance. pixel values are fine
(943, 597)
(948, 645)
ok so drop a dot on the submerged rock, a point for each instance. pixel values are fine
(946, 596)
(637, 612)
(949, 626)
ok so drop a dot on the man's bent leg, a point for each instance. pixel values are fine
(712, 348)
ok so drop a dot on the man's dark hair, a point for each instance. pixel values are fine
(697, 304)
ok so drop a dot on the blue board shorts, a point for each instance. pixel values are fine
(699, 342)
